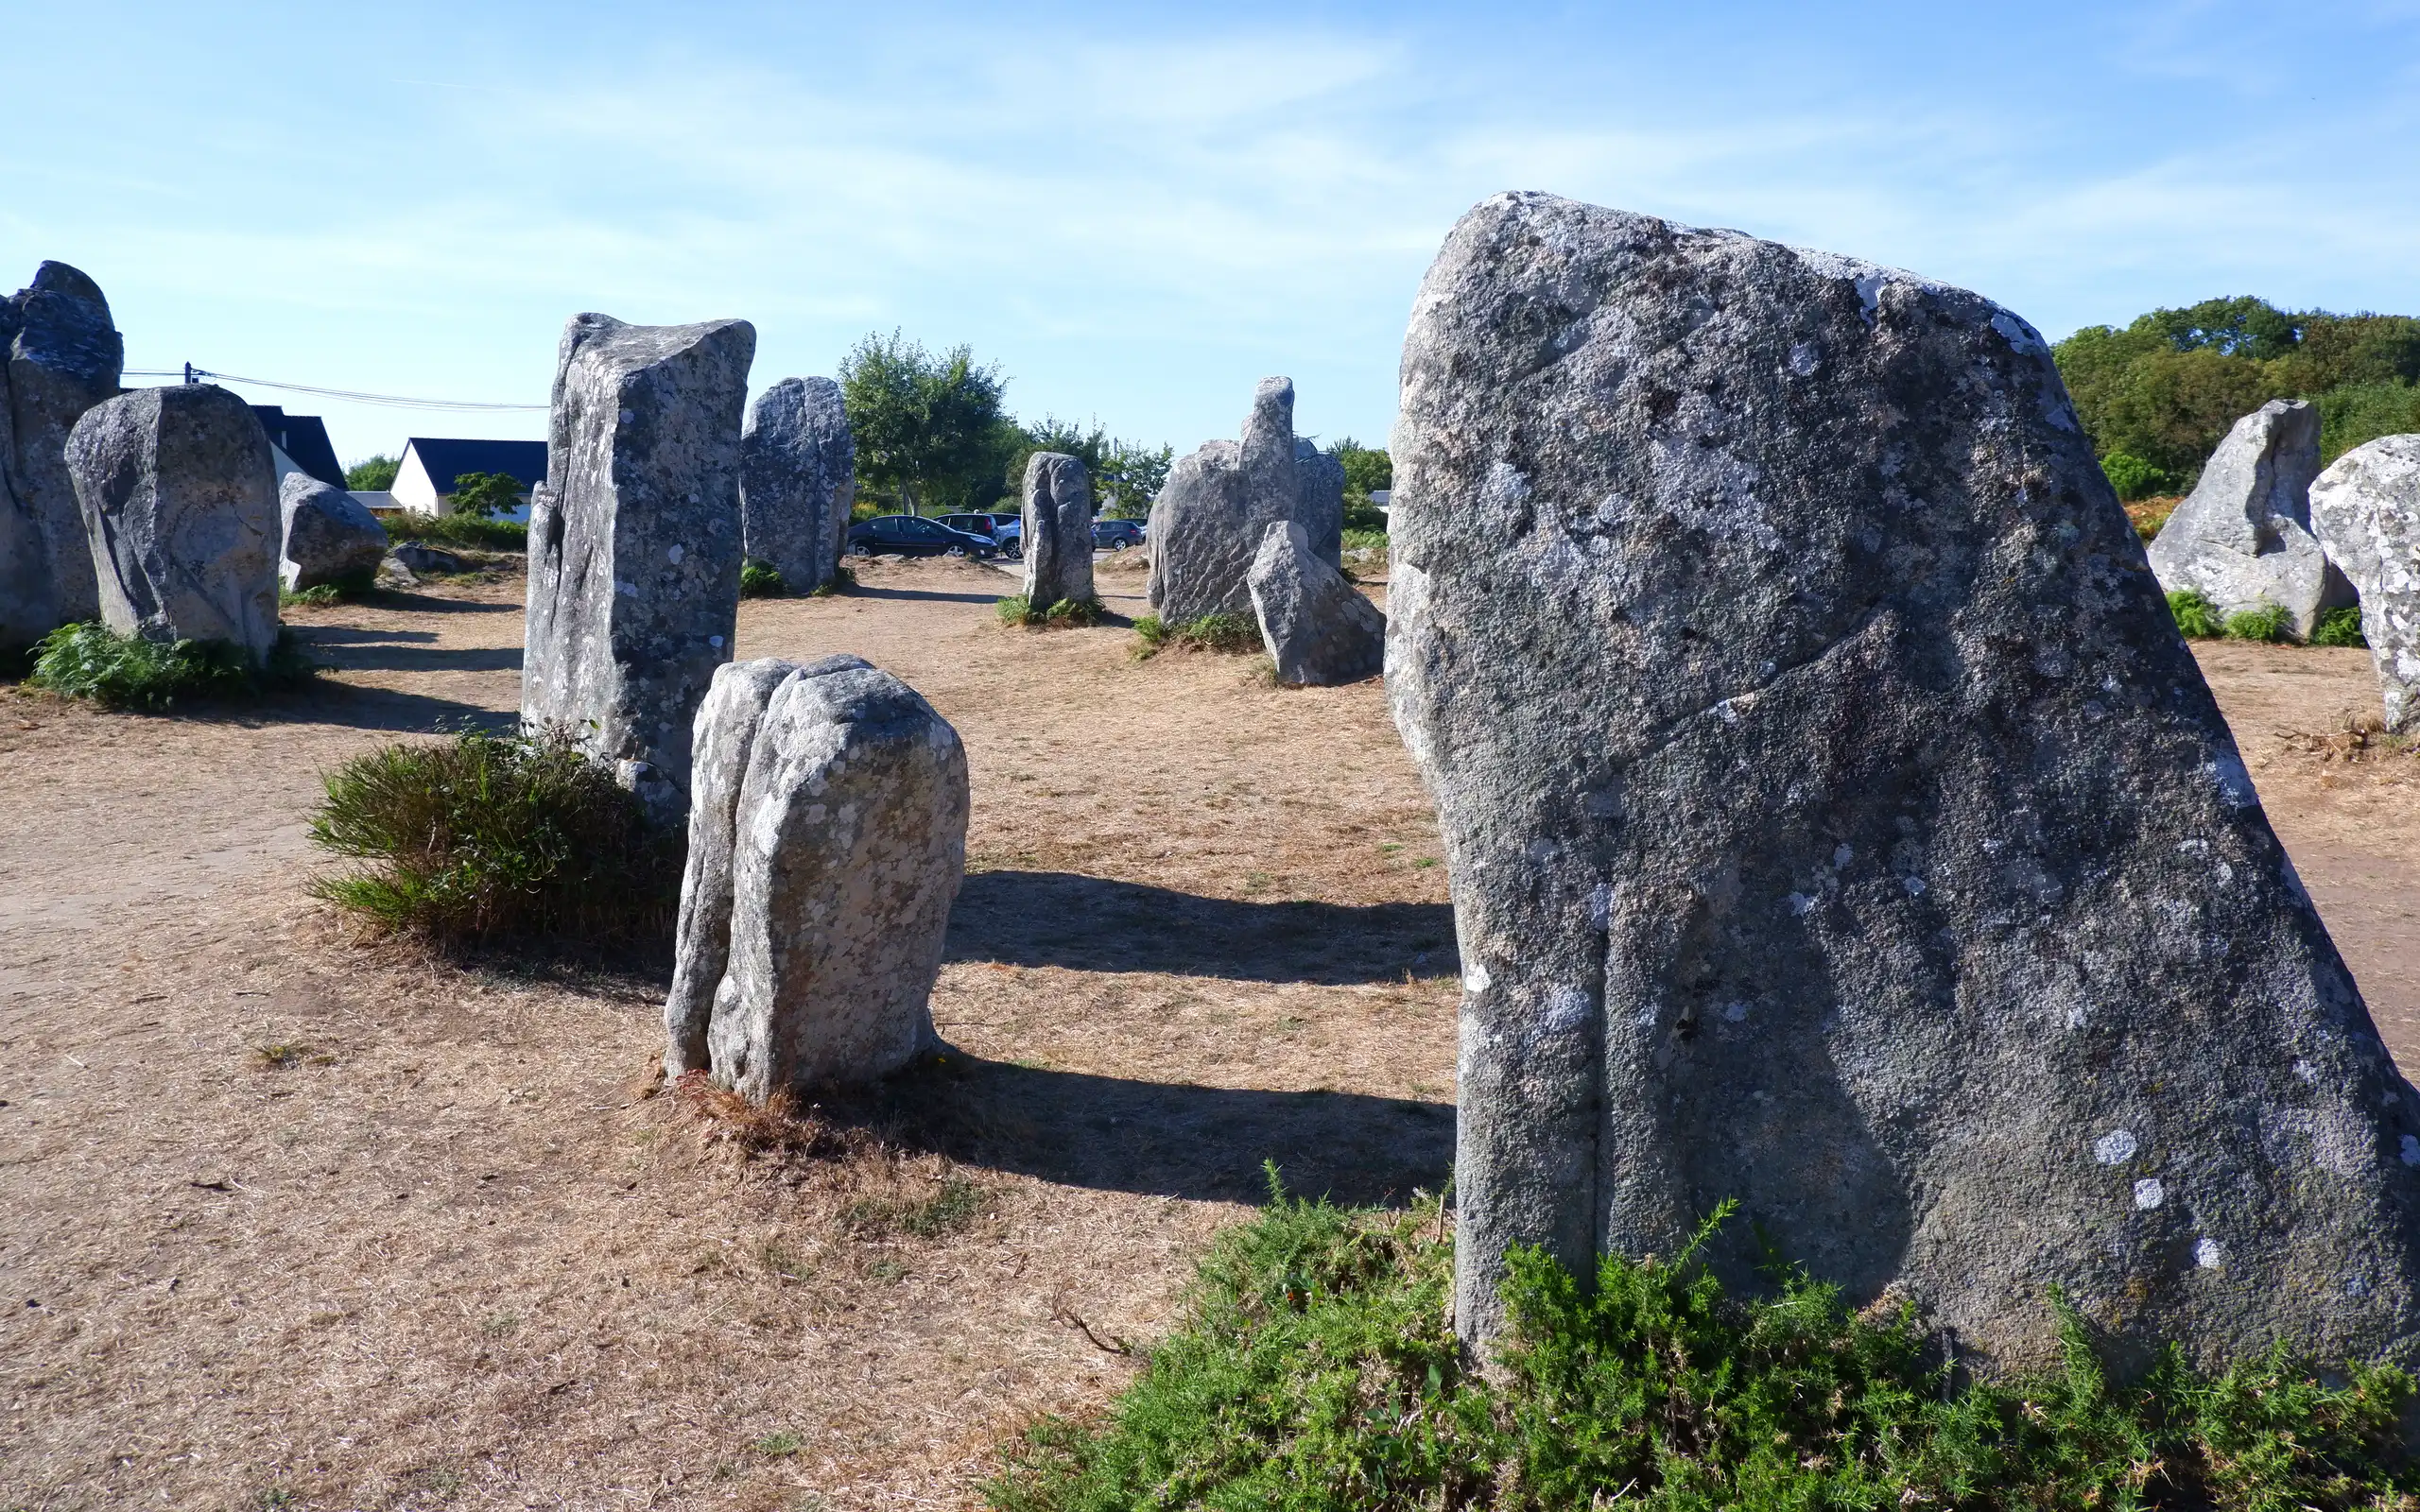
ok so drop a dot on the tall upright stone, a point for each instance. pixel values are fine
(634, 543)
(1320, 477)
(1220, 500)
(1058, 529)
(826, 845)
(1837, 822)
(2365, 509)
(178, 494)
(797, 473)
(63, 357)
(2242, 537)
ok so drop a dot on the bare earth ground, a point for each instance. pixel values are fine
(291, 1219)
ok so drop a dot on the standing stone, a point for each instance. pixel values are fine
(797, 473)
(1058, 529)
(826, 844)
(1318, 627)
(1322, 512)
(634, 543)
(2366, 511)
(1208, 521)
(330, 536)
(63, 357)
(1837, 822)
(179, 496)
(2242, 536)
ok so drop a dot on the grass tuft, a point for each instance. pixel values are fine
(1315, 1366)
(1018, 611)
(759, 578)
(1230, 633)
(2339, 627)
(92, 662)
(842, 580)
(487, 836)
(2269, 623)
(2196, 617)
(458, 530)
(350, 588)
(951, 1207)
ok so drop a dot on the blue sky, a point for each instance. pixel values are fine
(1138, 210)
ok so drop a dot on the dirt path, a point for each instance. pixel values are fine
(292, 1216)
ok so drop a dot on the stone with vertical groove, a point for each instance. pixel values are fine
(2242, 537)
(1057, 541)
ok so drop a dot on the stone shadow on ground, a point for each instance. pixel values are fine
(862, 592)
(1160, 1139)
(349, 705)
(1097, 925)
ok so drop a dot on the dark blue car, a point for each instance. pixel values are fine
(908, 534)
(1116, 534)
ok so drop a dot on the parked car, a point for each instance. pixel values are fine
(1116, 534)
(1006, 531)
(910, 535)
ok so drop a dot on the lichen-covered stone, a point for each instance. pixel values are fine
(2365, 509)
(179, 497)
(1316, 625)
(797, 477)
(634, 546)
(1208, 521)
(330, 536)
(63, 357)
(826, 844)
(2242, 537)
(1058, 526)
(1837, 823)
(1320, 477)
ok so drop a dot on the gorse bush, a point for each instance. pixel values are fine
(486, 837)
(2196, 617)
(459, 530)
(2269, 622)
(2339, 627)
(1066, 614)
(1315, 1369)
(759, 578)
(1233, 633)
(93, 662)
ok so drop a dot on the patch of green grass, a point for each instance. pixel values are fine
(458, 530)
(1016, 610)
(1314, 1368)
(2196, 617)
(2339, 627)
(2269, 623)
(488, 836)
(1230, 633)
(954, 1205)
(352, 588)
(759, 578)
(1365, 541)
(780, 1444)
(91, 660)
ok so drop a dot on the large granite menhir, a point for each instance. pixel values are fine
(2242, 537)
(329, 537)
(634, 543)
(798, 468)
(2365, 509)
(1837, 822)
(827, 840)
(1220, 500)
(1057, 524)
(179, 496)
(1318, 628)
(60, 355)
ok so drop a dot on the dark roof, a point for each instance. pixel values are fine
(525, 462)
(303, 438)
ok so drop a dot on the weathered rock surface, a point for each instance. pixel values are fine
(1318, 627)
(330, 536)
(1322, 511)
(63, 357)
(797, 473)
(2365, 509)
(2242, 536)
(411, 559)
(634, 545)
(1058, 529)
(1207, 523)
(827, 838)
(1838, 824)
(179, 497)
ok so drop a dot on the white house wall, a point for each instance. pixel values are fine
(412, 488)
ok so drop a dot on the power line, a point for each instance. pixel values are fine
(193, 374)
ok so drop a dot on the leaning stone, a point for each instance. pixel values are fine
(1318, 627)
(1058, 529)
(2242, 537)
(2365, 509)
(1208, 521)
(797, 475)
(330, 536)
(634, 547)
(179, 503)
(64, 357)
(1839, 824)
(826, 844)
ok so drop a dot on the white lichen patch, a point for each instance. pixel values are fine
(2150, 1194)
(2116, 1148)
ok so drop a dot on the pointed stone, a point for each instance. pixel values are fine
(2242, 537)
(1207, 523)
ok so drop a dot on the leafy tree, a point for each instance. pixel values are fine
(928, 426)
(485, 495)
(2132, 477)
(1366, 468)
(1130, 477)
(372, 474)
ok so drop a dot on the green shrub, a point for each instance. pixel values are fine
(2269, 622)
(458, 530)
(1230, 633)
(2339, 627)
(1314, 1368)
(1365, 540)
(2196, 617)
(91, 660)
(487, 836)
(759, 578)
(1067, 613)
(351, 588)
(2132, 477)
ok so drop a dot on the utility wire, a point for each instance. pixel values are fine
(193, 374)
